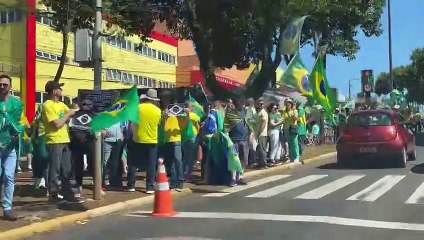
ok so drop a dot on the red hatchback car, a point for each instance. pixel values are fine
(376, 135)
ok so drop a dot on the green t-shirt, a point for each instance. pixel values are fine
(275, 117)
(10, 128)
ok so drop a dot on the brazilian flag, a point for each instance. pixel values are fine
(296, 77)
(197, 108)
(125, 109)
(322, 92)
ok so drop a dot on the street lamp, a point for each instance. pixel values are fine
(350, 86)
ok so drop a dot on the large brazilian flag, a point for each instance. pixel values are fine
(125, 109)
(322, 92)
(296, 77)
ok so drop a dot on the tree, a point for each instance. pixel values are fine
(68, 16)
(240, 32)
(415, 84)
(409, 77)
(402, 76)
(382, 85)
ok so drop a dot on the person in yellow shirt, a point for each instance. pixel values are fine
(190, 129)
(55, 117)
(145, 139)
(173, 148)
(290, 116)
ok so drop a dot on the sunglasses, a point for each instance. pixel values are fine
(3, 85)
(87, 104)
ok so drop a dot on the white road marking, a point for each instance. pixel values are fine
(286, 187)
(330, 187)
(377, 189)
(256, 183)
(417, 197)
(296, 218)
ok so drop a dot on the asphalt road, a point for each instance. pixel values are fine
(318, 201)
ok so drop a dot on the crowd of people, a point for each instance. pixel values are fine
(224, 138)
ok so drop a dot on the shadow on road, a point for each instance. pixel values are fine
(335, 166)
(419, 169)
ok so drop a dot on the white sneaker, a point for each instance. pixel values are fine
(150, 192)
(131, 189)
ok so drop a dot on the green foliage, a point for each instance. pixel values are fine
(72, 14)
(410, 77)
(338, 23)
(240, 32)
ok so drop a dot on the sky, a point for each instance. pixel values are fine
(407, 35)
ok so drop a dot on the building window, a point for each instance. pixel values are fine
(120, 43)
(47, 21)
(7, 17)
(165, 57)
(128, 78)
(47, 56)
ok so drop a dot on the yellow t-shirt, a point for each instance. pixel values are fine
(173, 129)
(53, 111)
(147, 130)
(288, 120)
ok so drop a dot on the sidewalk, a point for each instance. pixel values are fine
(32, 206)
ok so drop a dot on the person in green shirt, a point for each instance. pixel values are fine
(11, 109)
(275, 122)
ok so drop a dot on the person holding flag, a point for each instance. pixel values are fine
(190, 128)
(145, 140)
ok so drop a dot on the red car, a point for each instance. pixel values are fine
(373, 136)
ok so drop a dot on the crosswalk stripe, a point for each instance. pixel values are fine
(417, 197)
(286, 187)
(377, 189)
(330, 187)
(252, 184)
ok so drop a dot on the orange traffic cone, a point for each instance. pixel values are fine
(163, 201)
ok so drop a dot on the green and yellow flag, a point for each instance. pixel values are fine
(322, 92)
(296, 77)
(197, 108)
(125, 109)
(291, 37)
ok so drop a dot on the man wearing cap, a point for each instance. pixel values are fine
(55, 116)
(145, 141)
(173, 149)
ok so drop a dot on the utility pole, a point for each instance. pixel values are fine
(350, 86)
(97, 58)
(392, 82)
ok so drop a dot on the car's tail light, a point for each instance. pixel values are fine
(346, 136)
(392, 133)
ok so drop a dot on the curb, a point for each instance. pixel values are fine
(289, 165)
(56, 223)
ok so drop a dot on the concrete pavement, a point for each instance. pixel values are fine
(317, 201)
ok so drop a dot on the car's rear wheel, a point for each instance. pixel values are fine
(402, 159)
(413, 156)
(342, 162)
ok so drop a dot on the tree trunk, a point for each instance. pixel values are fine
(65, 43)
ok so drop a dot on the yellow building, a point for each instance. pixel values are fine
(125, 63)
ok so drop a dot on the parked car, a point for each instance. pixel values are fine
(376, 136)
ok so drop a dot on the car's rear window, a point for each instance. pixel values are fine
(372, 119)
